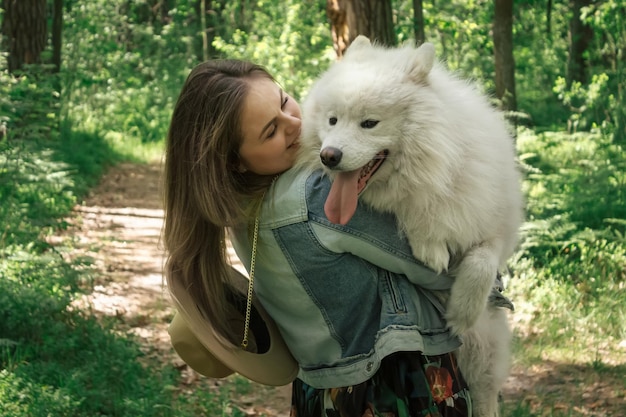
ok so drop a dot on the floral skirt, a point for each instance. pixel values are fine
(408, 384)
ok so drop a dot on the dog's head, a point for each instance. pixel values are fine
(359, 114)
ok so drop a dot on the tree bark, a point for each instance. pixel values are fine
(579, 37)
(24, 31)
(503, 54)
(549, 19)
(164, 8)
(57, 31)
(208, 13)
(350, 18)
(418, 22)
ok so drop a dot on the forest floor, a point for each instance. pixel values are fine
(118, 228)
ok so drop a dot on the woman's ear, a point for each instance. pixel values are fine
(237, 164)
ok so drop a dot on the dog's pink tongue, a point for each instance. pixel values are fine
(343, 196)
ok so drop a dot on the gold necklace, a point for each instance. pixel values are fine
(246, 328)
(255, 238)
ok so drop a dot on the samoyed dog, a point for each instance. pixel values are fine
(392, 127)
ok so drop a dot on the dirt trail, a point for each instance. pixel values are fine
(118, 228)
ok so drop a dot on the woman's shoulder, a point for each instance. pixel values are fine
(288, 200)
(300, 194)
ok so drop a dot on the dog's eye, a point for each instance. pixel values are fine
(369, 123)
(332, 121)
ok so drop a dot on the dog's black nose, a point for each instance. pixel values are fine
(331, 156)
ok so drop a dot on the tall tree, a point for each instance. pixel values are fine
(209, 13)
(549, 19)
(418, 21)
(204, 6)
(503, 54)
(350, 18)
(579, 37)
(24, 31)
(57, 30)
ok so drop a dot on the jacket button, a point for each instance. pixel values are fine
(369, 366)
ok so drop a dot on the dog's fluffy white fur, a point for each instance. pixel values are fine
(449, 175)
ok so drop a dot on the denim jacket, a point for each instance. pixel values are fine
(343, 297)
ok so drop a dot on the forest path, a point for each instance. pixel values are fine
(118, 228)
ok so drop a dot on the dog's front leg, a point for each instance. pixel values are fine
(435, 255)
(474, 279)
(485, 360)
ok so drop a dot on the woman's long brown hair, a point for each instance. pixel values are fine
(204, 191)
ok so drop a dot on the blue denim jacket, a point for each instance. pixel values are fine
(343, 297)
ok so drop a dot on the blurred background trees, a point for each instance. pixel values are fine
(87, 83)
(558, 63)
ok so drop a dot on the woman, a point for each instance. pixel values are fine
(352, 304)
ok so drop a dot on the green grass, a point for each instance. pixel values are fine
(56, 360)
(572, 262)
(569, 276)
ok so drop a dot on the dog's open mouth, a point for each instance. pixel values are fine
(344, 193)
(370, 168)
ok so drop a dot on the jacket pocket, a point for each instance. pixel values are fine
(393, 292)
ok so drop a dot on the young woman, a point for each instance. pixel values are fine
(352, 304)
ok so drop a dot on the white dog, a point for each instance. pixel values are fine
(444, 163)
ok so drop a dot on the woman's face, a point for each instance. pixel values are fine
(271, 123)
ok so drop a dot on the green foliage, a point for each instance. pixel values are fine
(540, 57)
(61, 360)
(455, 28)
(54, 358)
(593, 106)
(35, 185)
(594, 171)
(571, 266)
(111, 101)
(295, 52)
(120, 77)
(27, 99)
(570, 272)
(609, 19)
(124, 64)
(23, 397)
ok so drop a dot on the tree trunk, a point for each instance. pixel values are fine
(213, 24)
(57, 30)
(24, 31)
(549, 19)
(350, 18)
(203, 28)
(503, 54)
(579, 36)
(418, 22)
(208, 13)
(164, 8)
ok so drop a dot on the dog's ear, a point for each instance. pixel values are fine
(423, 61)
(359, 44)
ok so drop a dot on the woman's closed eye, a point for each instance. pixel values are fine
(271, 132)
(283, 102)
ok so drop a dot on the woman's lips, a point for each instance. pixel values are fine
(295, 143)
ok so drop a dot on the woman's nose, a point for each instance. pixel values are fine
(293, 125)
